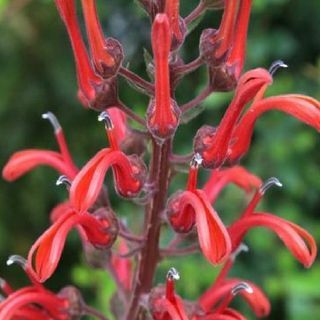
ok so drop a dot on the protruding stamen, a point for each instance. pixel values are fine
(53, 120)
(18, 260)
(241, 248)
(196, 161)
(240, 287)
(173, 274)
(277, 65)
(269, 183)
(105, 117)
(63, 180)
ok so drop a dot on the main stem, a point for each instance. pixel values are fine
(149, 257)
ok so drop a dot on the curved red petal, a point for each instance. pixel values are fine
(301, 107)
(300, 243)
(23, 161)
(45, 253)
(238, 175)
(250, 83)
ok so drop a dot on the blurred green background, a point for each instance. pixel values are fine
(37, 75)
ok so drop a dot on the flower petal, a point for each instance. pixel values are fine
(47, 249)
(213, 237)
(214, 146)
(257, 300)
(23, 161)
(238, 175)
(300, 243)
(87, 184)
(301, 107)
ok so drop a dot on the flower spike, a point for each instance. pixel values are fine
(107, 53)
(163, 112)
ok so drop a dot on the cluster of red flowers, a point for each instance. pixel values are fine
(189, 211)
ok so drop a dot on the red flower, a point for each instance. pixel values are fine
(238, 175)
(303, 108)
(23, 161)
(163, 112)
(192, 206)
(224, 49)
(177, 25)
(87, 79)
(166, 305)
(45, 253)
(33, 302)
(300, 243)
(213, 143)
(129, 173)
(220, 296)
(106, 53)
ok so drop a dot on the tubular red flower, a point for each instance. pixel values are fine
(213, 146)
(300, 243)
(33, 303)
(226, 30)
(301, 107)
(166, 304)
(128, 175)
(87, 79)
(213, 237)
(46, 252)
(106, 53)
(224, 49)
(24, 161)
(238, 175)
(238, 48)
(172, 11)
(163, 113)
(257, 300)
